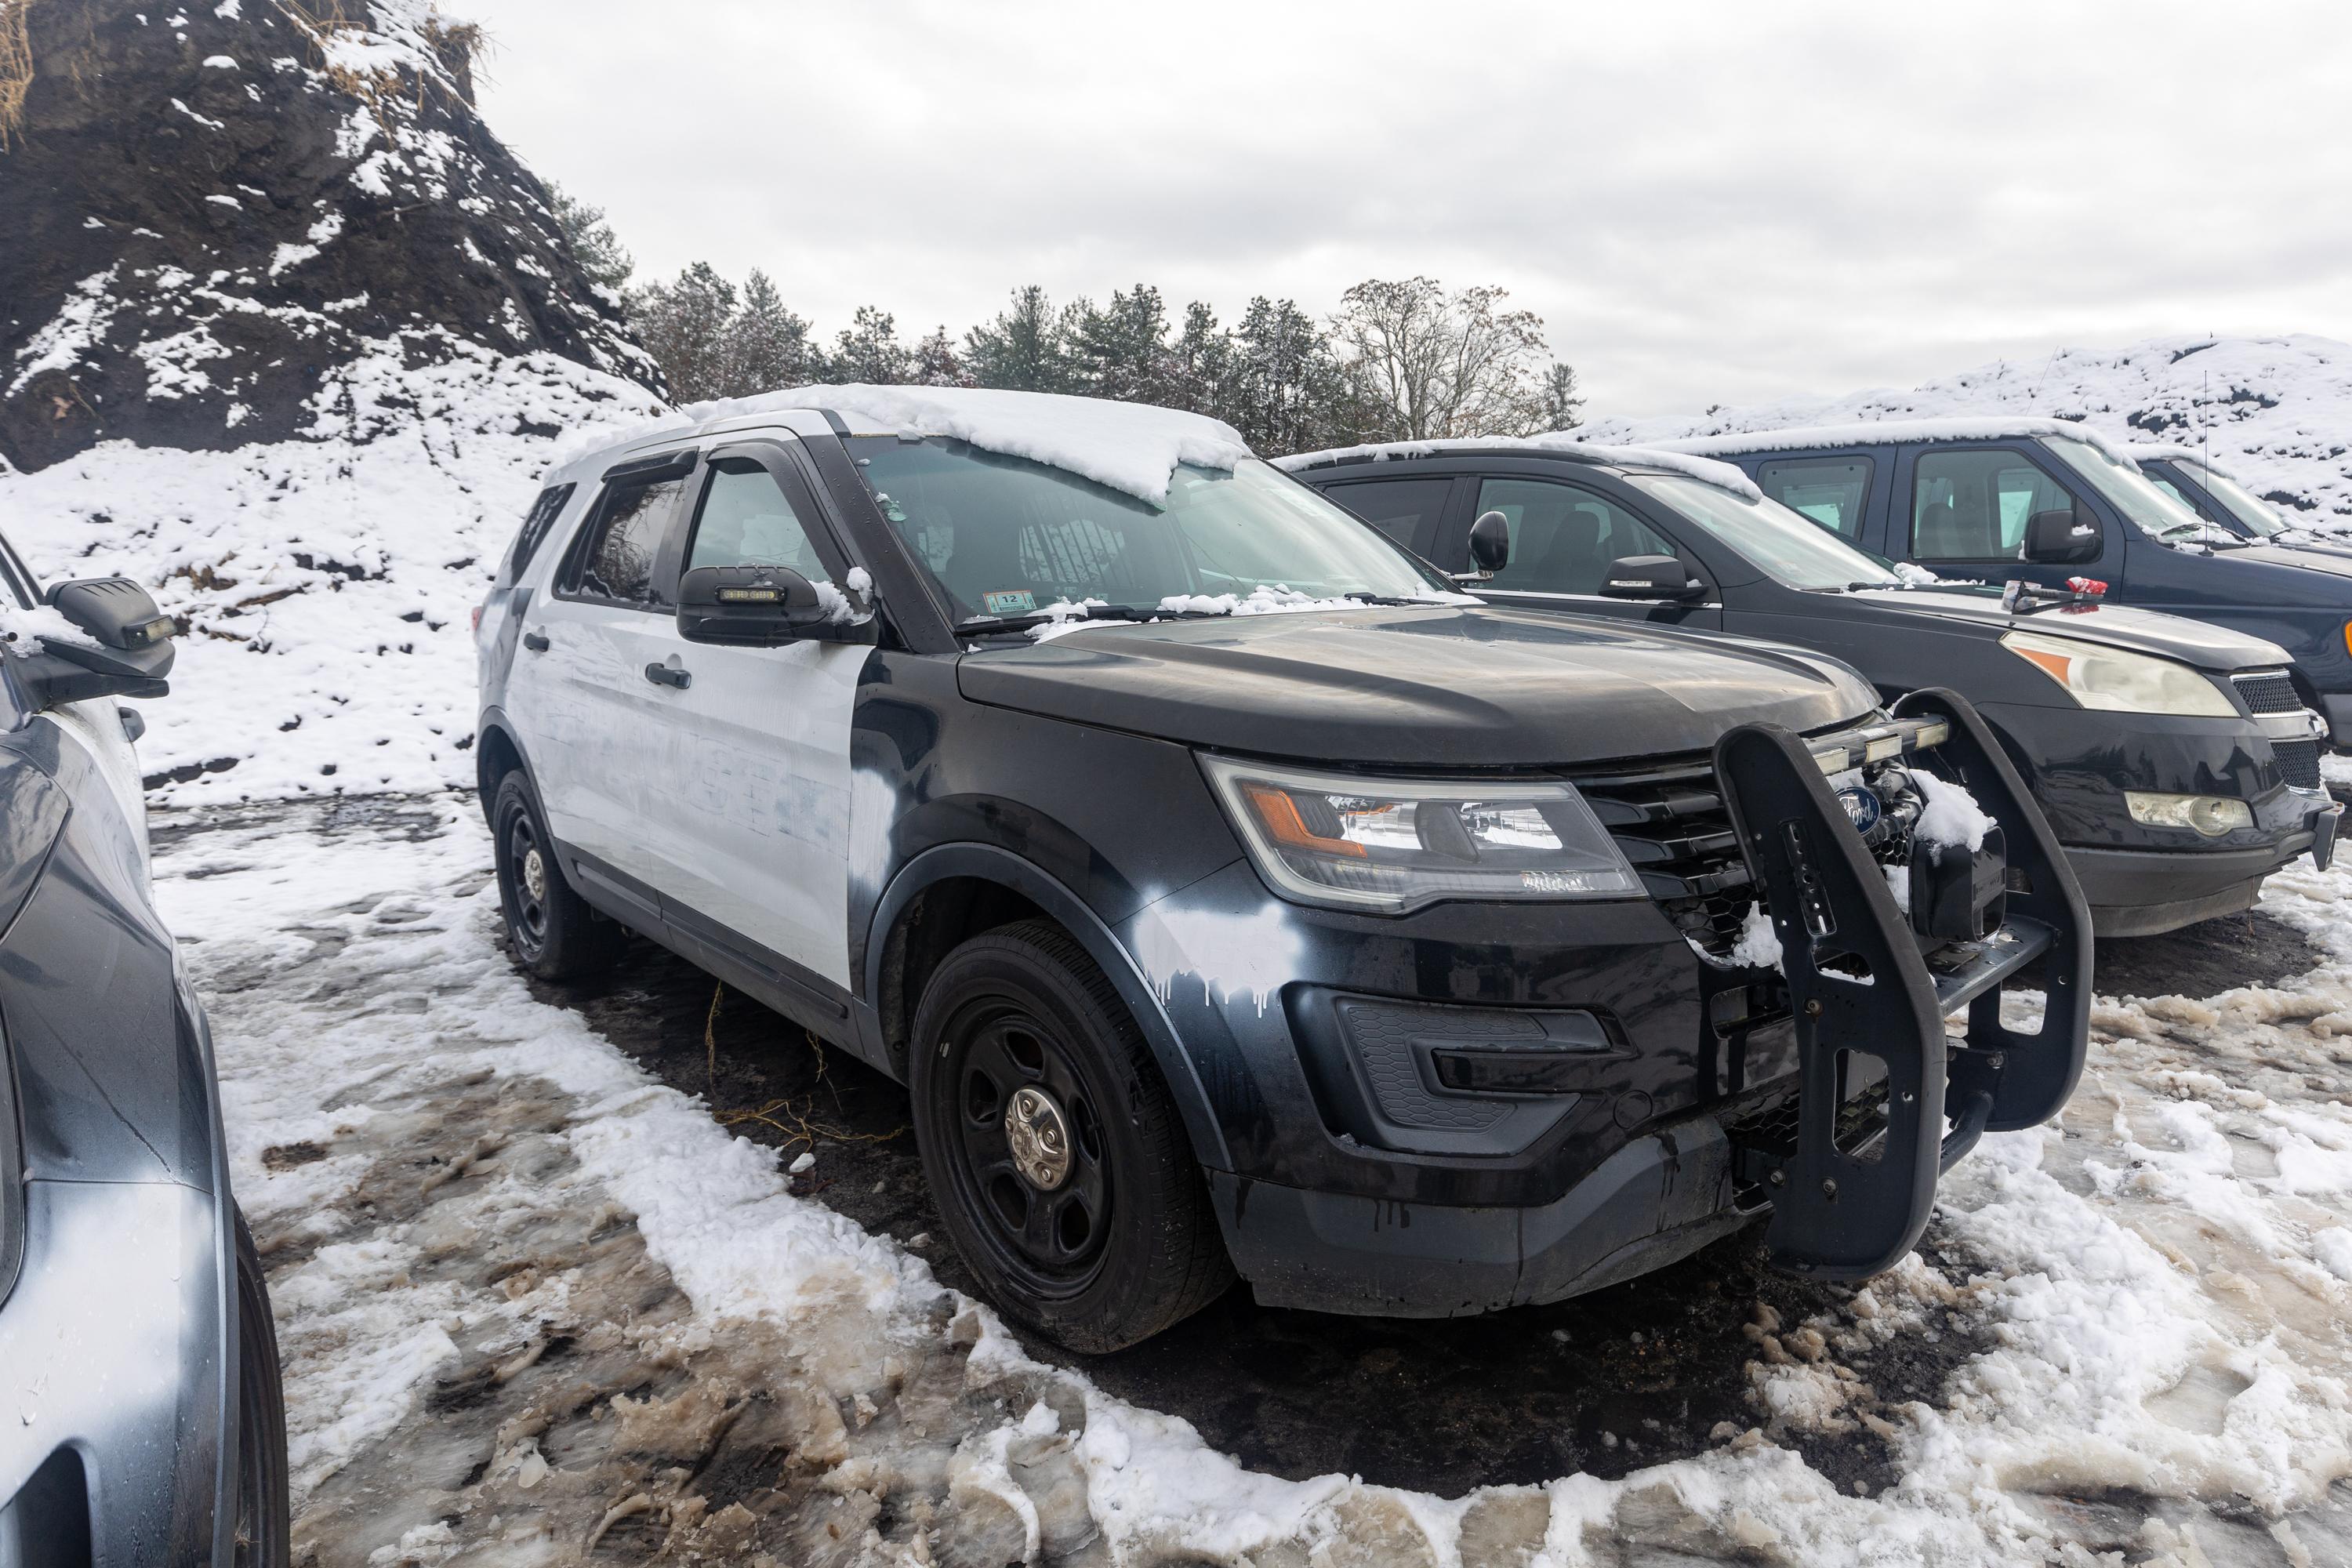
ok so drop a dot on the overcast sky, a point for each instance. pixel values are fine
(1706, 204)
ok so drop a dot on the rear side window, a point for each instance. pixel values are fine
(1402, 508)
(624, 542)
(1973, 506)
(535, 526)
(1830, 491)
(1562, 539)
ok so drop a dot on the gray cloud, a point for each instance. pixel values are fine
(1707, 203)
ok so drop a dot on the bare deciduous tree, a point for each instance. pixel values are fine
(1438, 365)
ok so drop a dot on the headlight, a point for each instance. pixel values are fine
(2120, 683)
(1387, 846)
(2211, 815)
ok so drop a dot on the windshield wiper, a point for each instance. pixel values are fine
(983, 625)
(1362, 597)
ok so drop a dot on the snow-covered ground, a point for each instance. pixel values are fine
(528, 1294)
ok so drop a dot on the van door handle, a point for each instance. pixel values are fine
(535, 641)
(668, 674)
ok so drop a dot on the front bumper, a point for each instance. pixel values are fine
(1318, 1042)
(2140, 892)
(113, 1360)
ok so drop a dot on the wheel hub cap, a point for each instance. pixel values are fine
(1039, 1134)
(534, 877)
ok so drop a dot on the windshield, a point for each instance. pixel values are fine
(1798, 551)
(2128, 490)
(1005, 537)
(2250, 513)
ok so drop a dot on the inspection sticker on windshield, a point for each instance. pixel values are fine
(1008, 602)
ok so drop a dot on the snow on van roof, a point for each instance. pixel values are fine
(1886, 432)
(2159, 451)
(1128, 447)
(1722, 475)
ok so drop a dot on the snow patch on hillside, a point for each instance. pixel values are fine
(2276, 411)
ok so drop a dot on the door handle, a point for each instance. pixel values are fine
(668, 674)
(535, 641)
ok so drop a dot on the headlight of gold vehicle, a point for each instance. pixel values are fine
(2120, 683)
(1389, 846)
(2210, 814)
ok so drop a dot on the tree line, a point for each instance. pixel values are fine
(1398, 360)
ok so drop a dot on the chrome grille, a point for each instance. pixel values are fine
(2269, 691)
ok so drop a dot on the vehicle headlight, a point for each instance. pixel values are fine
(1389, 846)
(2209, 816)
(2120, 683)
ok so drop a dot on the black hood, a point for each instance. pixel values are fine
(1435, 686)
(2196, 643)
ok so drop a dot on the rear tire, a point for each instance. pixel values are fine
(264, 1534)
(1054, 1150)
(550, 930)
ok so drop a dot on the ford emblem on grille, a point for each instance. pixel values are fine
(1860, 806)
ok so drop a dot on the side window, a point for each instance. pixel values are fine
(746, 520)
(1562, 537)
(1973, 506)
(1831, 491)
(1402, 508)
(625, 541)
(2168, 487)
(535, 525)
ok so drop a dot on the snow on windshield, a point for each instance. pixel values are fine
(1133, 447)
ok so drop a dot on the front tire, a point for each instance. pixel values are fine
(1056, 1154)
(552, 931)
(264, 1534)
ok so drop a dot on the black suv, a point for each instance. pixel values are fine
(2175, 760)
(138, 1360)
(1229, 892)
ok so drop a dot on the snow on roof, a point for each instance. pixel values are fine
(2157, 451)
(1722, 475)
(1886, 432)
(1128, 447)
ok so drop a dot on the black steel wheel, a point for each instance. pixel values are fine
(1056, 1157)
(553, 932)
(263, 1534)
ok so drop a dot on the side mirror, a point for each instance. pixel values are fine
(2059, 538)
(120, 646)
(763, 606)
(1649, 577)
(1490, 543)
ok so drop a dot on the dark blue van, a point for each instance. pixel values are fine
(1956, 496)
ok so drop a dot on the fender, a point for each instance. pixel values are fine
(989, 863)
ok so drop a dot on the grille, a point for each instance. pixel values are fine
(1674, 829)
(2269, 691)
(2299, 761)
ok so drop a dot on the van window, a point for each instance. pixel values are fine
(1398, 508)
(1562, 537)
(1831, 491)
(746, 520)
(630, 522)
(1973, 505)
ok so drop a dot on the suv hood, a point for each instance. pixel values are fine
(2196, 643)
(1423, 687)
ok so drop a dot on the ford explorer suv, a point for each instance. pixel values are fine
(1234, 895)
(1958, 495)
(138, 1358)
(2173, 758)
(2190, 476)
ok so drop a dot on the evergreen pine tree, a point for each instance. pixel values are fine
(868, 350)
(1122, 351)
(1021, 349)
(1200, 365)
(592, 240)
(768, 346)
(1562, 409)
(937, 363)
(684, 325)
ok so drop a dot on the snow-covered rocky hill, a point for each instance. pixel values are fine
(289, 336)
(2275, 412)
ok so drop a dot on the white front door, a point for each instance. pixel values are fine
(755, 750)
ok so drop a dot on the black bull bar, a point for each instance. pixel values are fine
(1849, 1201)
